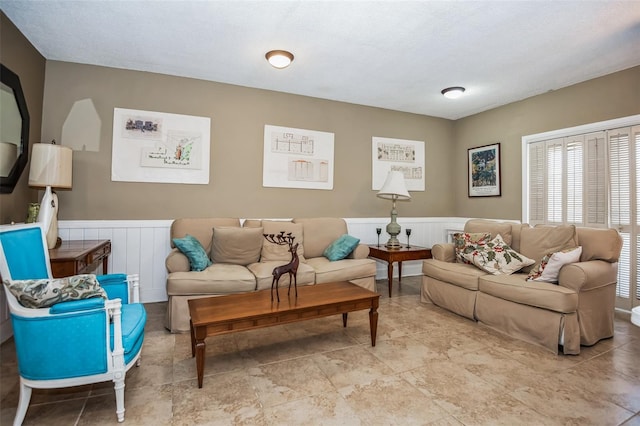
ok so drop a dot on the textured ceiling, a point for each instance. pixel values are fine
(390, 54)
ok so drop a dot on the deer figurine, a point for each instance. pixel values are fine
(290, 268)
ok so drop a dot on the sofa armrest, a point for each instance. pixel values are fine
(588, 275)
(176, 261)
(360, 252)
(444, 251)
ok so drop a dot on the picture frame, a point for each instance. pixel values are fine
(484, 171)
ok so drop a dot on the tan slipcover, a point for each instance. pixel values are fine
(226, 278)
(577, 311)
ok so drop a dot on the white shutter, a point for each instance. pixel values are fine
(536, 182)
(596, 180)
(574, 177)
(620, 179)
(554, 180)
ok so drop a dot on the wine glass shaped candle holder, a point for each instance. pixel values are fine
(378, 231)
(408, 231)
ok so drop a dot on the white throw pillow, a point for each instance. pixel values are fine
(550, 266)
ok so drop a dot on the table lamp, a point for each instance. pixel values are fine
(50, 168)
(394, 188)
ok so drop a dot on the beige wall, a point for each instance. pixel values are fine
(238, 116)
(17, 54)
(612, 96)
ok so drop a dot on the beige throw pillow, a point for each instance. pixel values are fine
(271, 251)
(539, 241)
(237, 246)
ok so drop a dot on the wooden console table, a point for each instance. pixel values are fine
(398, 255)
(75, 257)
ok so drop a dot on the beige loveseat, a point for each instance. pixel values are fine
(243, 260)
(578, 310)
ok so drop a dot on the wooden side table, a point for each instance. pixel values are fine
(75, 257)
(399, 255)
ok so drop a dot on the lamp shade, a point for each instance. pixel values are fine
(51, 166)
(394, 187)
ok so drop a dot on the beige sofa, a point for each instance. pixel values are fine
(578, 310)
(247, 260)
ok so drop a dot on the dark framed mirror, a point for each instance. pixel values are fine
(14, 130)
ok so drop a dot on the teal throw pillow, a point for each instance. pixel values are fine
(191, 247)
(341, 248)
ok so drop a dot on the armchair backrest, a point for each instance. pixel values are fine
(23, 252)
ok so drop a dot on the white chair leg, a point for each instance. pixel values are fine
(119, 387)
(23, 403)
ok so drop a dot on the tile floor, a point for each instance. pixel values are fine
(429, 367)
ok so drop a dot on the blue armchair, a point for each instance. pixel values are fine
(94, 339)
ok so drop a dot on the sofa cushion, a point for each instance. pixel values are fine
(465, 243)
(191, 247)
(599, 244)
(341, 248)
(272, 251)
(238, 246)
(263, 272)
(201, 228)
(219, 278)
(550, 265)
(486, 225)
(319, 232)
(496, 257)
(341, 270)
(46, 292)
(516, 288)
(458, 274)
(539, 241)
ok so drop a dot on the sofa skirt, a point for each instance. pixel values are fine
(538, 326)
(449, 296)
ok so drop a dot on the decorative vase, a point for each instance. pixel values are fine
(32, 212)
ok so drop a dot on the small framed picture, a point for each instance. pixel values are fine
(484, 171)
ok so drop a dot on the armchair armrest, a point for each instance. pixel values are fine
(444, 251)
(360, 252)
(588, 275)
(176, 261)
(121, 286)
(77, 306)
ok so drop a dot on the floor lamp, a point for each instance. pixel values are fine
(50, 168)
(394, 188)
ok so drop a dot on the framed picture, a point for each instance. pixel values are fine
(402, 155)
(484, 171)
(297, 158)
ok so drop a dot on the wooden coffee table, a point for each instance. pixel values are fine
(211, 316)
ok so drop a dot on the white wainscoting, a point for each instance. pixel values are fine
(141, 246)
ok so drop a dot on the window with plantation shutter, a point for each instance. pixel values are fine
(554, 181)
(588, 176)
(573, 150)
(536, 182)
(596, 174)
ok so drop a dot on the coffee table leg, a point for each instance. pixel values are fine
(344, 318)
(193, 339)
(200, 351)
(373, 323)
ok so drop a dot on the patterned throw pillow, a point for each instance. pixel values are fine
(550, 265)
(191, 247)
(466, 243)
(43, 293)
(497, 258)
(341, 248)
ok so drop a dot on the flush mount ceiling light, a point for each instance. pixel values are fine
(453, 92)
(279, 58)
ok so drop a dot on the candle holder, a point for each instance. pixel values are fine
(378, 231)
(408, 231)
